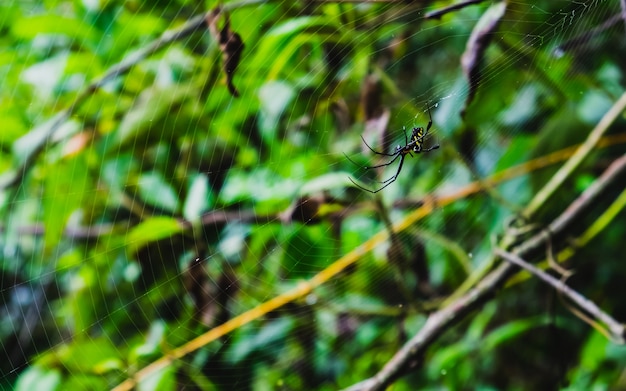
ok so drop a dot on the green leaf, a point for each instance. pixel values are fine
(512, 330)
(78, 381)
(275, 96)
(28, 28)
(92, 355)
(151, 230)
(447, 357)
(161, 380)
(12, 128)
(197, 200)
(40, 379)
(260, 185)
(276, 47)
(147, 114)
(24, 147)
(271, 333)
(332, 180)
(152, 343)
(157, 192)
(305, 253)
(67, 185)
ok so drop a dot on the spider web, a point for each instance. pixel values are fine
(164, 207)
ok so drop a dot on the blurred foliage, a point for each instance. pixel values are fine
(165, 206)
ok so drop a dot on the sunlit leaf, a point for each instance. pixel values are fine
(30, 27)
(197, 198)
(96, 355)
(37, 378)
(150, 230)
(162, 380)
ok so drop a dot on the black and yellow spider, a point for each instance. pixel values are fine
(414, 146)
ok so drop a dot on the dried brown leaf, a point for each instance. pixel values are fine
(472, 58)
(231, 46)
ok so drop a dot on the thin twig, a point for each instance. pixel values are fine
(553, 260)
(616, 328)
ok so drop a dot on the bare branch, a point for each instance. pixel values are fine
(616, 328)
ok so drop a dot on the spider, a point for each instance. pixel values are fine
(414, 146)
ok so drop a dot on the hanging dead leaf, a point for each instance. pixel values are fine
(231, 46)
(472, 58)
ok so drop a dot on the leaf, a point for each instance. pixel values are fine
(78, 381)
(332, 180)
(151, 230)
(157, 192)
(152, 343)
(471, 60)
(305, 253)
(12, 128)
(28, 28)
(197, 198)
(271, 333)
(97, 355)
(67, 185)
(512, 330)
(231, 46)
(161, 380)
(31, 142)
(274, 96)
(259, 185)
(274, 49)
(153, 104)
(40, 379)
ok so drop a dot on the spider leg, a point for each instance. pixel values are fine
(376, 166)
(376, 152)
(417, 138)
(368, 190)
(396, 156)
(430, 120)
(431, 148)
(351, 161)
(394, 177)
(389, 181)
(363, 188)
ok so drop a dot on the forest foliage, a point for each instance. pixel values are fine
(180, 201)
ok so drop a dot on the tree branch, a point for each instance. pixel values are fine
(616, 328)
